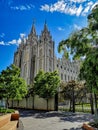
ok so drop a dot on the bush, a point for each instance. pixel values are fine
(4, 110)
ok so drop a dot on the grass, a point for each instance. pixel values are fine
(5, 110)
(78, 108)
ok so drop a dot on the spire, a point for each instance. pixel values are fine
(45, 27)
(33, 31)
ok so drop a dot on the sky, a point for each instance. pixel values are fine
(17, 16)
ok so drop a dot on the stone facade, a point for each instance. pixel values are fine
(37, 53)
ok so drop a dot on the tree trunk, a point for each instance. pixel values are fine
(82, 107)
(33, 102)
(7, 103)
(91, 102)
(12, 103)
(73, 101)
(70, 105)
(73, 105)
(95, 98)
(17, 104)
(56, 102)
(26, 102)
(47, 104)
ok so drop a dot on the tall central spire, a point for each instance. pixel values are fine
(45, 27)
(33, 31)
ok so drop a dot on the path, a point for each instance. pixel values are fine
(35, 120)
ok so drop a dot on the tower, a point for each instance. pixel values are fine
(35, 53)
(46, 51)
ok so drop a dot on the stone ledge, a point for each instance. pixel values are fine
(4, 119)
(9, 121)
(12, 125)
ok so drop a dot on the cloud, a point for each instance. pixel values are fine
(2, 43)
(88, 7)
(2, 35)
(23, 7)
(76, 27)
(78, 1)
(60, 29)
(22, 35)
(14, 41)
(94, 4)
(71, 7)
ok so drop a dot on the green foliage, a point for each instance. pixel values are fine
(31, 90)
(12, 85)
(4, 110)
(89, 70)
(46, 84)
(73, 86)
(82, 41)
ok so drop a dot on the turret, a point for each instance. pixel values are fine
(45, 34)
(32, 37)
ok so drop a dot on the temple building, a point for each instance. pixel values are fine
(37, 52)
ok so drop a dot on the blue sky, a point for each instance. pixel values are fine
(16, 18)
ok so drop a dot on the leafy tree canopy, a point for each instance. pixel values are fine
(81, 42)
(12, 85)
(84, 43)
(46, 84)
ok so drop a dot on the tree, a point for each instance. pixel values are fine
(46, 84)
(84, 44)
(12, 84)
(72, 90)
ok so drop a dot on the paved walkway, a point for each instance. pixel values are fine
(35, 120)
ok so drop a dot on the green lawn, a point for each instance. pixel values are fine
(78, 108)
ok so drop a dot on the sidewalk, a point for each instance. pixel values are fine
(38, 120)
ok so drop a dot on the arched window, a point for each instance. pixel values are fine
(40, 63)
(49, 52)
(50, 63)
(40, 52)
(25, 70)
(61, 76)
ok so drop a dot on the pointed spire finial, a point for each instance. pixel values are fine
(45, 26)
(45, 22)
(33, 31)
(34, 21)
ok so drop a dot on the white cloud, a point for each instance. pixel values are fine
(45, 7)
(94, 4)
(60, 29)
(88, 7)
(78, 1)
(19, 41)
(2, 35)
(71, 7)
(14, 41)
(2, 43)
(22, 35)
(23, 7)
(76, 27)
